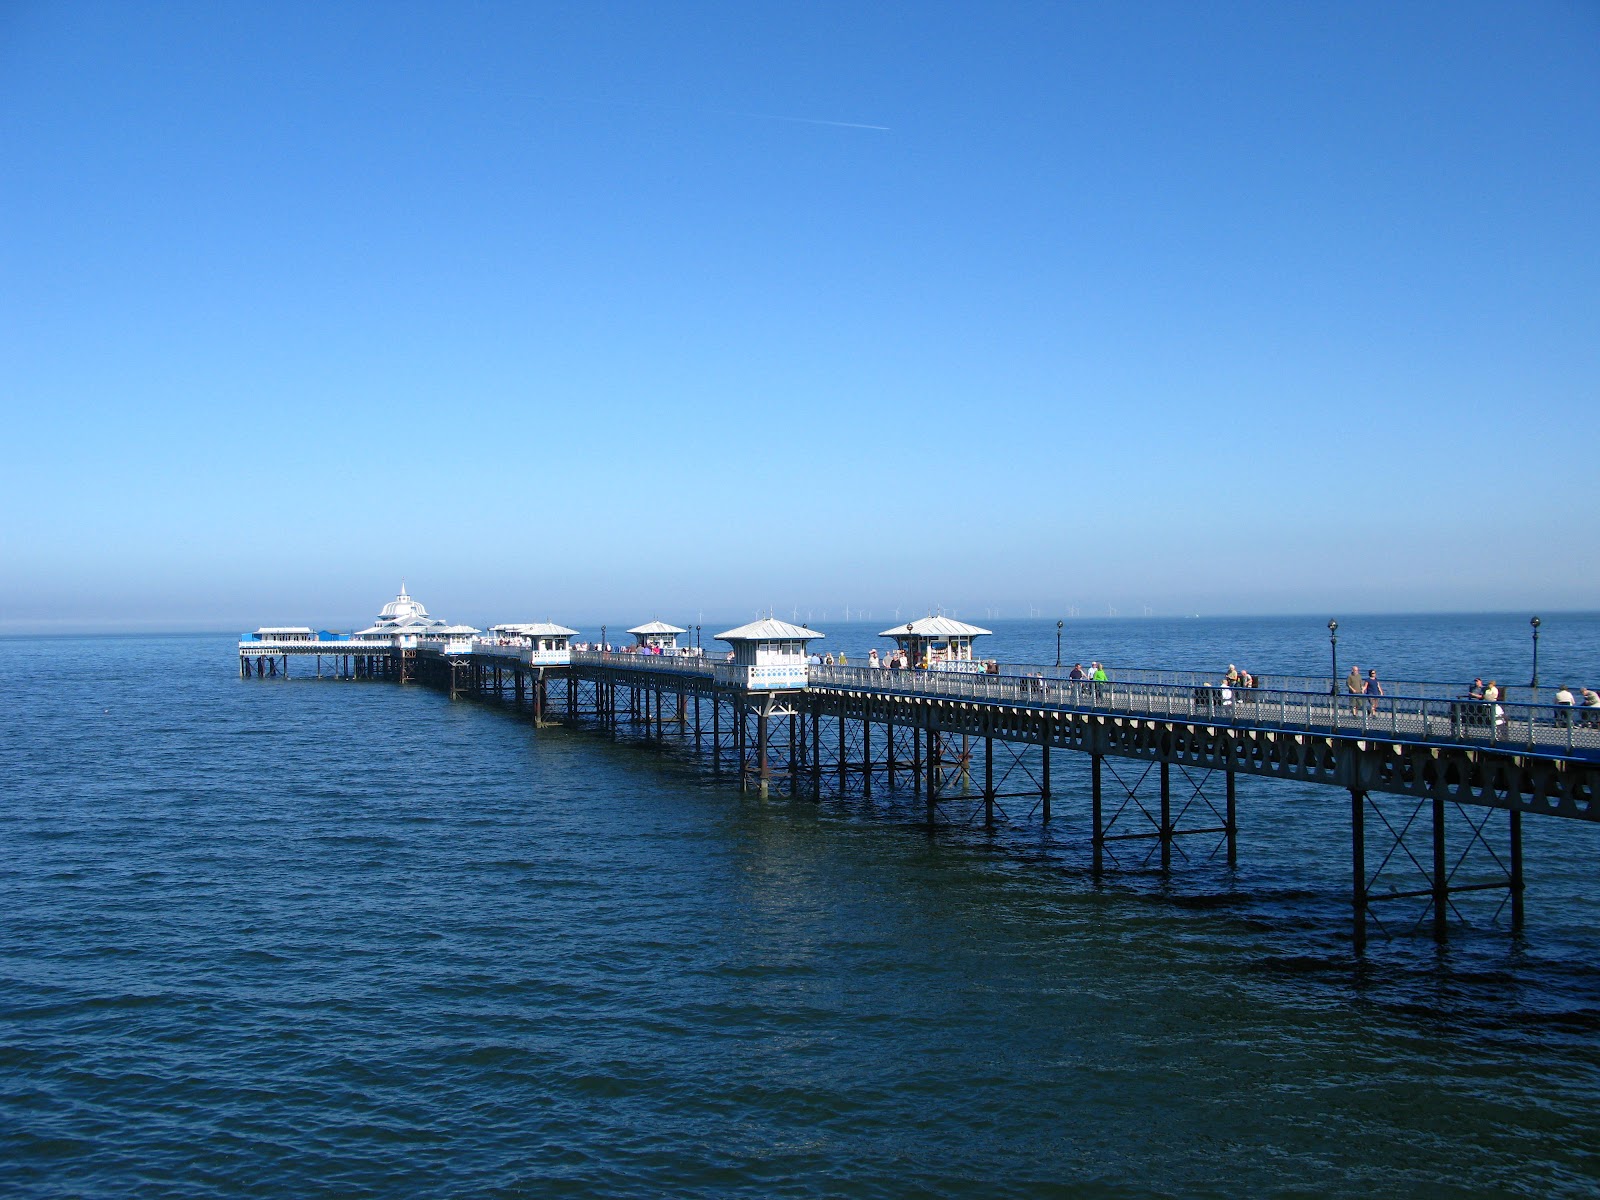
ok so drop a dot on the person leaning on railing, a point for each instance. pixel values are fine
(1564, 703)
(1591, 707)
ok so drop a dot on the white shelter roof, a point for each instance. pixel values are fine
(456, 630)
(657, 627)
(535, 629)
(268, 630)
(402, 607)
(769, 630)
(935, 627)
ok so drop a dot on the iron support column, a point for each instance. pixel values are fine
(1358, 867)
(1166, 816)
(1441, 881)
(1516, 869)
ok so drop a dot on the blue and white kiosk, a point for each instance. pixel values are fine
(656, 637)
(767, 655)
(939, 644)
(540, 643)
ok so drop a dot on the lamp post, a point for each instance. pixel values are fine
(697, 637)
(1058, 643)
(602, 639)
(1333, 645)
(911, 654)
(1535, 624)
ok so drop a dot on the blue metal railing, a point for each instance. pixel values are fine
(1541, 727)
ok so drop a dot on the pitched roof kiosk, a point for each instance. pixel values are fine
(767, 654)
(657, 635)
(942, 644)
(547, 645)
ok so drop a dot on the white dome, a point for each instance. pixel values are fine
(405, 614)
(402, 607)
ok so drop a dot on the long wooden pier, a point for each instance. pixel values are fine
(1164, 757)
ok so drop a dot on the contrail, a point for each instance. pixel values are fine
(748, 116)
(811, 121)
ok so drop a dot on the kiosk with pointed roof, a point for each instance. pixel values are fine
(451, 639)
(544, 644)
(939, 644)
(657, 637)
(767, 654)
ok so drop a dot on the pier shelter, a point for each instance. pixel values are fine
(451, 639)
(766, 654)
(938, 644)
(541, 643)
(657, 637)
(279, 634)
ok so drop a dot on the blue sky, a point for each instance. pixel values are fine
(595, 311)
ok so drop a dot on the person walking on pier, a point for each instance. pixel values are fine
(1356, 687)
(1374, 691)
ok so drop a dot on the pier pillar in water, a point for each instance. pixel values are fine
(916, 760)
(843, 754)
(866, 747)
(888, 737)
(1166, 816)
(763, 763)
(1441, 876)
(1232, 822)
(1515, 832)
(1358, 868)
(988, 782)
(1098, 841)
(1044, 777)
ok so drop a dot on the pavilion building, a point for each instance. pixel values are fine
(766, 654)
(939, 644)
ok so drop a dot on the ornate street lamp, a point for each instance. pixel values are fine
(1058, 643)
(602, 639)
(1333, 645)
(1535, 624)
(697, 645)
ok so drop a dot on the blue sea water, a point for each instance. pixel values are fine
(355, 939)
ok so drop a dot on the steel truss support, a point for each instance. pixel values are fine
(1414, 863)
(1131, 810)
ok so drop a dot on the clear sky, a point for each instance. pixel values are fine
(598, 311)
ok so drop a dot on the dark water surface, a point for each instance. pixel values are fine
(353, 939)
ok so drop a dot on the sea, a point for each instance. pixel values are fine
(317, 938)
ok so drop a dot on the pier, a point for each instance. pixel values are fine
(980, 741)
